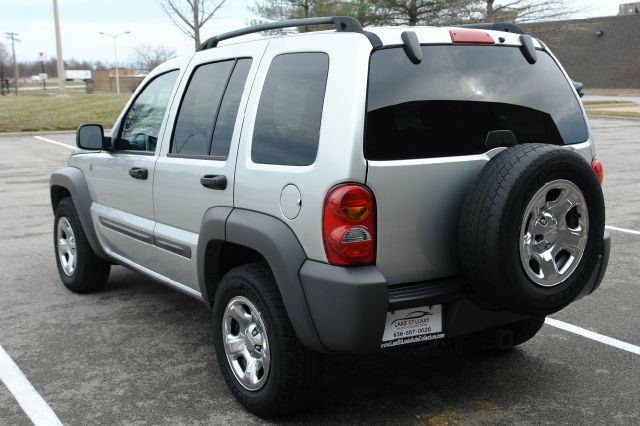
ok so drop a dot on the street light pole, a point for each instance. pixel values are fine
(115, 52)
(61, 80)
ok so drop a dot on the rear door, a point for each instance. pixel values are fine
(195, 170)
(425, 136)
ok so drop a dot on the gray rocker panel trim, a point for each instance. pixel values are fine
(73, 180)
(277, 243)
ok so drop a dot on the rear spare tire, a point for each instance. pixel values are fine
(531, 229)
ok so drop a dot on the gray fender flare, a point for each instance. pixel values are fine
(74, 181)
(277, 243)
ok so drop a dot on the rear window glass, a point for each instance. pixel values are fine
(447, 104)
(287, 127)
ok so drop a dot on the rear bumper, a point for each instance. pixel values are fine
(349, 305)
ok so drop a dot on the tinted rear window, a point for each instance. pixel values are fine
(287, 127)
(448, 103)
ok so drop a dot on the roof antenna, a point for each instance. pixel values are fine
(412, 46)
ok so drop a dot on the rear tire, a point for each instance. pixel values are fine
(250, 320)
(81, 271)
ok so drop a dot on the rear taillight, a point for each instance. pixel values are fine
(348, 225)
(596, 165)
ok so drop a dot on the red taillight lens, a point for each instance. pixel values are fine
(596, 165)
(470, 36)
(348, 225)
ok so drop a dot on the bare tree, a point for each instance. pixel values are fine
(527, 10)
(191, 15)
(147, 57)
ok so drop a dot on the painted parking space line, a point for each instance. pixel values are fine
(593, 336)
(40, 138)
(628, 231)
(23, 391)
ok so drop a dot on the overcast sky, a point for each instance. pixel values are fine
(82, 20)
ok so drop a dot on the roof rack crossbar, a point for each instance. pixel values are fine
(497, 26)
(342, 24)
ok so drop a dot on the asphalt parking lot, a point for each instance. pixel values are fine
(139, 353)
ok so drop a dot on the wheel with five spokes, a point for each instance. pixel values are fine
(264, 364)
(81, 271)
(531, 230)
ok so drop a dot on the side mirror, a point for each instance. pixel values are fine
(90, 136)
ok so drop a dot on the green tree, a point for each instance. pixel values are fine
(278, 10)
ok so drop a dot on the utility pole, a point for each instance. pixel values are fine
(12, 36)
(115, 51)
(56, 18)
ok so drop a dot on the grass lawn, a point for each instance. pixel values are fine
(28, 113)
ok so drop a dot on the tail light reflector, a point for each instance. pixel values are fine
(348, 225)
(596, 165)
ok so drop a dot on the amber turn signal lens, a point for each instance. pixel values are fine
(356, 214)
(355, 205)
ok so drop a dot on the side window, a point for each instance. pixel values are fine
(229, 110)
(142, 123)
(197, 115)
(287, 127)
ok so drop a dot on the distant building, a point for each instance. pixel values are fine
(599, 52)
(629, 9)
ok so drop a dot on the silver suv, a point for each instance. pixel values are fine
(344, 191)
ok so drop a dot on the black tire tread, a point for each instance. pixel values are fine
(91, 272)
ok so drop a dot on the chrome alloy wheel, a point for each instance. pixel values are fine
(246, 345)
(554, 231)
(66, 241)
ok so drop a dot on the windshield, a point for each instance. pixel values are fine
(447, 104)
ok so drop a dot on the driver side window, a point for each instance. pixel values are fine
(142, 123)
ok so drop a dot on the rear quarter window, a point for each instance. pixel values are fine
(447, 104)
(287, 126)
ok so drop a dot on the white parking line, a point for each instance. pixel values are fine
(40, 138)
(594, 336)
(628, 231)
(29, 399)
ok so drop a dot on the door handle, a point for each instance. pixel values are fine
(214, 181)
(139, 173)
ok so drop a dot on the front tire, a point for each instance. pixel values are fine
(81, 271)
(266, 367)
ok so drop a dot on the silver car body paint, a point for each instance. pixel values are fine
(417, 200)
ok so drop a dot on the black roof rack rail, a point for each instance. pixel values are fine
(497, 26)
(342, 24)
